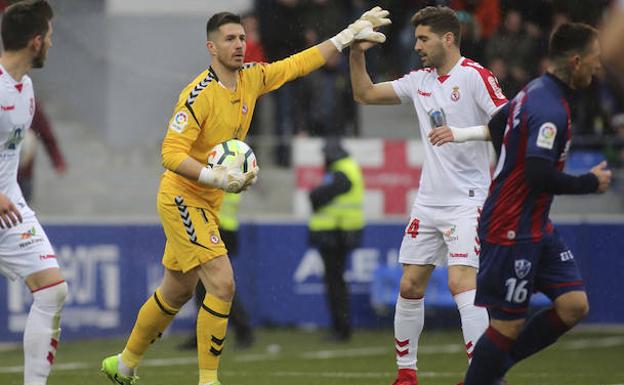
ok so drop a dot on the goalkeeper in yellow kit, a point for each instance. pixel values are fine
(216, 106)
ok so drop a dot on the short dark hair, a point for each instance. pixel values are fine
(219, 19)
(23, 21)
(571, 38)
(440, 19)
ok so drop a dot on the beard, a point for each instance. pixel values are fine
(39, 60)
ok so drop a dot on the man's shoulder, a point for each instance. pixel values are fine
(543, 102)
(197, 87)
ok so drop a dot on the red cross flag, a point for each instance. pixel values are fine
(391, 171)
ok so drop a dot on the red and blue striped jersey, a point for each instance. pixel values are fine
(537, 125)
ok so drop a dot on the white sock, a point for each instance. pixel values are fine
(474, 319)
(42, 333)
(409, 319)
(124, 369)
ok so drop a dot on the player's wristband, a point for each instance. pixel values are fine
(466, 134)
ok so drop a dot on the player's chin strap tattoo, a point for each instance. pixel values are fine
(186, 220)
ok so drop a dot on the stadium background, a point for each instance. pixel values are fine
(109, 86)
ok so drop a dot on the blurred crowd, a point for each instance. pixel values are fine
(510, 37)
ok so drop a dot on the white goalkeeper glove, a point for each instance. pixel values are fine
(227, 180)
(363, 29)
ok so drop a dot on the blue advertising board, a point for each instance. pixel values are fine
(112, 269)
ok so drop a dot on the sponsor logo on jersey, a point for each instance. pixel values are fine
(49, 256)
(458, 255)
(16, 138)
(566, 255)
(455, 94)
(29, 234)
(522, 267)
(546, 136)
(423, 93)
(496, 87)
(8, 108)
(449, 235)
(179, 122)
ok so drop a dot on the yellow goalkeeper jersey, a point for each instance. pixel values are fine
(208, 113)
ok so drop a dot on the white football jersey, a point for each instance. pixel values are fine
(453, 174)
(17, 107)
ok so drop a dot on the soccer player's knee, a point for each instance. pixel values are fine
(225, 289)
(51, 299)
(457, 284)
(411, 288)
(577, 311)
(573, 312)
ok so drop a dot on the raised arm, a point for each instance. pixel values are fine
(364, 90)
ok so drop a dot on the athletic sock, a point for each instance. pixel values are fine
(153, 318)
(488, 358)
(474, 320)
(42, 332)
(409, 319)
(211, 328)
(539, 332)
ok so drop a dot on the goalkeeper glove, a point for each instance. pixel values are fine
(227, 180)
(363, 29)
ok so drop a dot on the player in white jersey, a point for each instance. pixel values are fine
(456, 91)
(25, 251)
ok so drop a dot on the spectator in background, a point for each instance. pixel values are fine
(486, 12)
(329, 89)
(40, 129)
(254, 53)
(281, 35)
(513, 44)
(336, 228)
(472, 45)
(499, 68)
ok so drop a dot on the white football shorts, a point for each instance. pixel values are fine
(25, 249)
(441, 235)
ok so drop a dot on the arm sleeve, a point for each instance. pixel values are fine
(487, 92)
(336, 183)
(497, 126)
(547, 132)
(542, 175)
(184, 128)
(403, 86)
(275, 74)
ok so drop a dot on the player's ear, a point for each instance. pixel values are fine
(37, 42)
(449, 38)
(212, 48)
(575, 61)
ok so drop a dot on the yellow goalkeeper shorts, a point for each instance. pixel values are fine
(192, 234)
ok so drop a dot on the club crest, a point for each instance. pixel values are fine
(522, 267)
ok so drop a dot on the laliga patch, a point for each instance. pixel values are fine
(546, 136)
(179, 122)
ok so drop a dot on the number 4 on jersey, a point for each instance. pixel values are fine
(412, 228)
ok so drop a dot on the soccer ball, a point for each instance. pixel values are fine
(233, 154)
